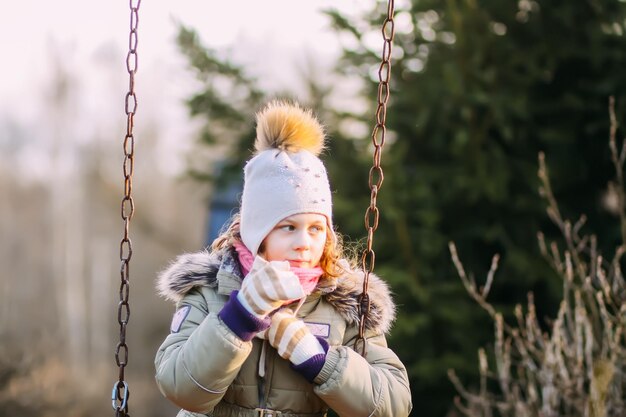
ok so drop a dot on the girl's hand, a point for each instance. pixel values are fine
(294, 342)
(268, 286)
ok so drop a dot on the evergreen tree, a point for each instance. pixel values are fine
(479, 88)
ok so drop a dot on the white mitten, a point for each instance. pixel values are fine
(268, 286)
(293, 339)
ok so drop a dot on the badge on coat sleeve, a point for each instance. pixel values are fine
(319, 329)
(179, 318)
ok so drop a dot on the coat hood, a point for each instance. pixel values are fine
(192, 270)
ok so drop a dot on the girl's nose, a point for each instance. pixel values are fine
(302, 241)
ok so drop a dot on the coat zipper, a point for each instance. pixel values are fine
(261, 374)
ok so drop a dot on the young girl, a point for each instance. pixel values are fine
(266, 321)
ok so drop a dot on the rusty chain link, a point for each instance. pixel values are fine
(120, 392)
(376, 174)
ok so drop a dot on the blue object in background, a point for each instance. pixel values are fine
(224, 204)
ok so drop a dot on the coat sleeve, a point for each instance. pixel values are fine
(375, 385)
(196, 363)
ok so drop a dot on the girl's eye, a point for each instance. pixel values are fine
(317, 229)
(287, 228)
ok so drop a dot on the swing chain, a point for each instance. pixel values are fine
(376, 174)
(120, 392)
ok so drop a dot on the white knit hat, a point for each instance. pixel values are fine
(285, 177)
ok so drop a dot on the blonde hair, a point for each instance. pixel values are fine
(329, 262)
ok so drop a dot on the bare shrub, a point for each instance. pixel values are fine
(576, 367)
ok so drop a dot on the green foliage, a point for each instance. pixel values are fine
(226, 101)
(477, 90)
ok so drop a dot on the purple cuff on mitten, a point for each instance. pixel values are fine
(310, 368)
(243, 323)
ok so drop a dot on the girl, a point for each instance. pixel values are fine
(266, 321)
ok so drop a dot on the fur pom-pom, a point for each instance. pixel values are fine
(289, 127)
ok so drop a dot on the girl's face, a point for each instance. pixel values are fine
(298, 239)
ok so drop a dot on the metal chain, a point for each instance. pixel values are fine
(120, 392)
(376, 174)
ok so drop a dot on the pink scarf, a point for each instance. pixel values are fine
(309, 277)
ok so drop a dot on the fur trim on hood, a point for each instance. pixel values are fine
(200, 269)
(188, 271)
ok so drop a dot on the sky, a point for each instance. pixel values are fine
(89, 40)
(31, 30)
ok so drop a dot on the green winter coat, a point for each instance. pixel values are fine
(205, 369)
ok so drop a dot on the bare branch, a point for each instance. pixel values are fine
(618, 164)
(490, 275)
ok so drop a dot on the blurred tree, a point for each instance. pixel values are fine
(478, 88)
